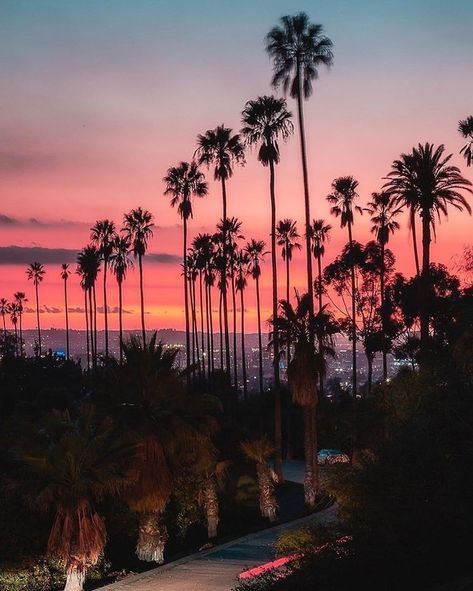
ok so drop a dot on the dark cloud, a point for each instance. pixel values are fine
(7, 220)
(24, 255)
(44, 310)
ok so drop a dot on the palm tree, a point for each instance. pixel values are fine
(343, 199)
(103, 236)
(4, 310)
(286, 236)
(138, 228)
(465, 128)
(88, 267)
(307, 364)
(120, 263)
(35, 273)
(67, 466)
(383, 211)
(211, 474)
(266, 120)
(183, 182)
(241, 265)
(222, 149)
(425, 181)
(256, 252)
(20, 299)
(259, 451)
(192, 274)
(65, 272)
(13, 311)
(298, 48)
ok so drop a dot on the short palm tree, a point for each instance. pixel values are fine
(424, 180)
(138, 227)
(210, 474)
(102, 236)
(120, 263)
(307, 365)
(260, 451)
(35, 273)
(256, 253)
(343, 200)
(20, 299)
(383, 211)
(298, 49)
(4, 309)
(465, 128)
(266, 121)
(183, 182)
(67, 466)
(222, 149)
(65, 272)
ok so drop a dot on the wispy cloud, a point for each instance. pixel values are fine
(7, 220)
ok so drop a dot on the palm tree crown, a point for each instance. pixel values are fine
(35, 273)
(120, 261)
(256, 253)
(183, 182)
(342, 199)
(298, 48)
(265, 120)
(319, 233)
(465, 128)
(221, 148)
(138, 227)
(383, 209)
(102, 235)
(286, 236)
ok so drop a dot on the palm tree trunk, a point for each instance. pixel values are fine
(189, 287)
(142, 300)
(67, 319)
(20, 319)
(383, 311)
(195, 332)
(87, 328)
(414, 239)
(207, 322)
(277, 390)
(369, 361)
(75, 580)
(4, 325)
(224, 280)
(243, 353)
(235, 356)
(186, 294)
(220, 321)
(260, 340)
(211, 323)
(37, 318)
(152, 537)
(320, 292)
(268, 504)
(202, 333)
(288, 344)
(120, 319)
(310, 283)
(105, 305)
(91, 327)
(211, 508)
(95, 323)
(353, 316)
(310, 447)
(425, 281)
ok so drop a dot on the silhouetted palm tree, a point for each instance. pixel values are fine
(138, 228)
(4, 310)
(241, 268)
(383, 211)
(298, 48)
(88, 267)
(256, 252)
(35, 273)
(425, 181)
(183, 182)
(192, 274)
(266, 120)
(222, 149)
(103, 236)
(465, 128)
(20, 299)
(307, 364)
(65, 272)
(120, 263)
(13, 311)
(343, 199)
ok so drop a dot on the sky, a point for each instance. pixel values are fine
(99, 97)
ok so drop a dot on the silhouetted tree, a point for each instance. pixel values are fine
(65, 272)
(465, 128)
(120, 263)
(35, 273)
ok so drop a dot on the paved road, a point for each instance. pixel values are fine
(217, 569)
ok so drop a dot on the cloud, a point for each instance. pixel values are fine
(24, 255)
(7, 220)
(44, 310)
(114, 310)
(11, 162)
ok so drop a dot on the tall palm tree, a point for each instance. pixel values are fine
(192, 274)
(183, 182)
(120, 263)
(4, 309)
(320, 235)
(383, 211)
(13, 311)
(256, 253)
(298, 49)
(266, 121)
(465, 128)
(20, 299)
(138, 227)
(65, 272)
(35, 273)
(343, 199)
(88, 267)
(221, 149)
(307, 364)
(241, 264)
(259, 451)
(425, 179)
(103, 236)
